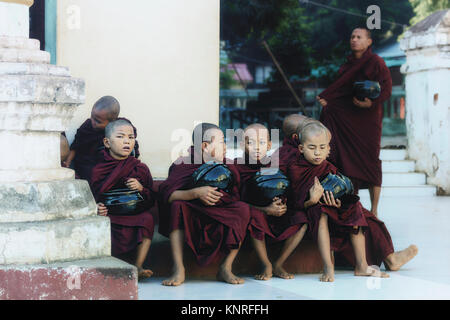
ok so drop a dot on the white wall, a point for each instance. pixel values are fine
(159, 58)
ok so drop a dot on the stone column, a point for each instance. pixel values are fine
(427, 69)
(52, 243)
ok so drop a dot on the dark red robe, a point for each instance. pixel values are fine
(356, 132)
(210, 231)
(126, 231)
(88, 144)
(262, 226)
(341, 221)
(287, 153)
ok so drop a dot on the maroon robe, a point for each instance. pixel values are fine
(377, 238)
(261, 225)
(356, 132)
(210, 231)
(287, 153)
(88, 144)
(341, 221)
(126, 231)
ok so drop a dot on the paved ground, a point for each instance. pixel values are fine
(424, 221)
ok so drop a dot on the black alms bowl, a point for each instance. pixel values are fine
(338, 184)
(264, 186)
(123, 202)
(213, 175)
(366, 89)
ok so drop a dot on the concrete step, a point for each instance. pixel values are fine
(391, 154)
(404, 179)
(410, 191)
(393, 166)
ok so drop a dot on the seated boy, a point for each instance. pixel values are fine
(85, 150)
(119, 170)
(274, 221)
(343, 217)
(212, 222)
(379, 246)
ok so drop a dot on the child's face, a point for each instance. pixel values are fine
(257, 143)
(99, 119)
(216, 149)
(316, 148)
(121, 143)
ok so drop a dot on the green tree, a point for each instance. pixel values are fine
(423, 8)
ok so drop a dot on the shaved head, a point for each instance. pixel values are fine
(309, 121)
(291, 123)
(204, 131)
(257, 127)
(110, 105)
(310, 129)
(112, 126)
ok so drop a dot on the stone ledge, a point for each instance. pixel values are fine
(44, 201)
(44, 175)
(23, 116)
(19, 43)
(54, 241)
(24, 55)
(104, 278)
(304, 259)
(41, 89)
(13, 68)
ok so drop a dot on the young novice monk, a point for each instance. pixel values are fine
(274, 221)
(85, 150)
(119, 170)
(379, 246)
(343, 217)
(212, 222)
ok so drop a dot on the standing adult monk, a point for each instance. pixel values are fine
(356, 125)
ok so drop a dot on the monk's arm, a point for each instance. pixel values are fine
(185, 195)
(70, 158)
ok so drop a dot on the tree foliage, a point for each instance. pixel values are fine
(423, 8)
(302, 35)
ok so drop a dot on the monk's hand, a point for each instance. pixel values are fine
(329, 200)
(277, 208)
(134, 184)
(316, 191)
(367, 103)
(66, 164)
(209, 196)
(322, 102)
(101, 209)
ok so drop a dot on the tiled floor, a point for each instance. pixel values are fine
(424, 221)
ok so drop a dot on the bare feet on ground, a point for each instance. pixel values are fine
(397, 259)
(266, 274)
(176, 279)
(144, 273)
(281, 273)
(227, 276)
(367, 271)
(328, 274)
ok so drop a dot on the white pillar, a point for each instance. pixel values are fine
(427, 69)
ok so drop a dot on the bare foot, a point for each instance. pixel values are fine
(144, 274)
(266, 274)
(397, 259)
(328, 274)
(227, 276)
(366, 271)
(374, 212)
(176, 279)
(281, 273)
